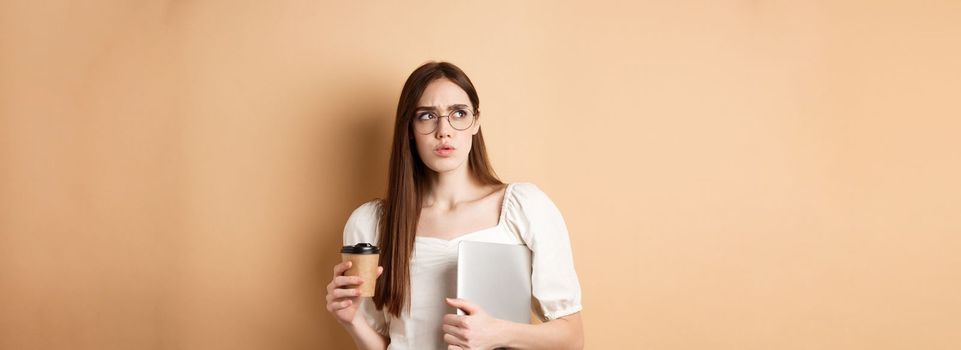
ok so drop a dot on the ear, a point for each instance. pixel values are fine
(476, 127)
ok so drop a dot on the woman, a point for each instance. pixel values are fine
(442, 190)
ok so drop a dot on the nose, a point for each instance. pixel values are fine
(444, 129)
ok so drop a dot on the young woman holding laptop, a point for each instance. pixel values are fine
(442, 190)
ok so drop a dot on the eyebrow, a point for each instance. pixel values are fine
(449, 108)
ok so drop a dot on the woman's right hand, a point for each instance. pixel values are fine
(343, 294)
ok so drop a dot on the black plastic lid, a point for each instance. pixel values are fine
(360, 248)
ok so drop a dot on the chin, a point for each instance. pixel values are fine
(444, 165)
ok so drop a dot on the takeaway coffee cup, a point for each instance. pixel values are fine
(365, 258)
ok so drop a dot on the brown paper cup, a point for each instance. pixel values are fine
(365, 266)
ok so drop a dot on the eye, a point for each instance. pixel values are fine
(460, 113)
(424, 116)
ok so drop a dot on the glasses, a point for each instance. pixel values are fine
(425, 122)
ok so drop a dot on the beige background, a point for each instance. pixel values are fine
(734, 174)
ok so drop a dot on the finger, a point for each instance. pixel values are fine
(344, 281)
(339, 305)
(452, 340)
(454, 347)
(344, 293)
(347, 284)
(462, 304)
(459, 321)
(340, 268)
(332, 300)
(450, 319)
(457, 332)
(333, 284)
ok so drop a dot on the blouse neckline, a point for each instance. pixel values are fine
(500, 221)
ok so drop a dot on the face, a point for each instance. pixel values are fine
(446, 148)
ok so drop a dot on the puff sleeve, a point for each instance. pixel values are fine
(539, 224)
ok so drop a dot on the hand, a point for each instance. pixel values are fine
(343, 295)
(476, 330)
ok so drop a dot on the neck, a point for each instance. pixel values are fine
(451, 188)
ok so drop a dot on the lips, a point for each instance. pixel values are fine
(444, 150)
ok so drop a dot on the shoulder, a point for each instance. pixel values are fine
(527, 199)
(531, 214)
(362, 224)
(366, 211)
(526, 193)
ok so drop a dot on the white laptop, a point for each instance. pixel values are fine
(497, 277)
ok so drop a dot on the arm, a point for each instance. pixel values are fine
(554, 281)
(343, 301)
(365, 337)
(563, 333)
(357, 316)
(480, 330)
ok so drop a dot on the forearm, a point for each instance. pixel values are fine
(562, 333)
(365, 337)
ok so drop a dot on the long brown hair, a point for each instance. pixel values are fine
(409, 180)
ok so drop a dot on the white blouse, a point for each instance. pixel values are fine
(527, 216)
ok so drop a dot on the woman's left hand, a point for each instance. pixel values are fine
(476, 330)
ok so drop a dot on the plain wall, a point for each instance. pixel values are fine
(734, 174)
